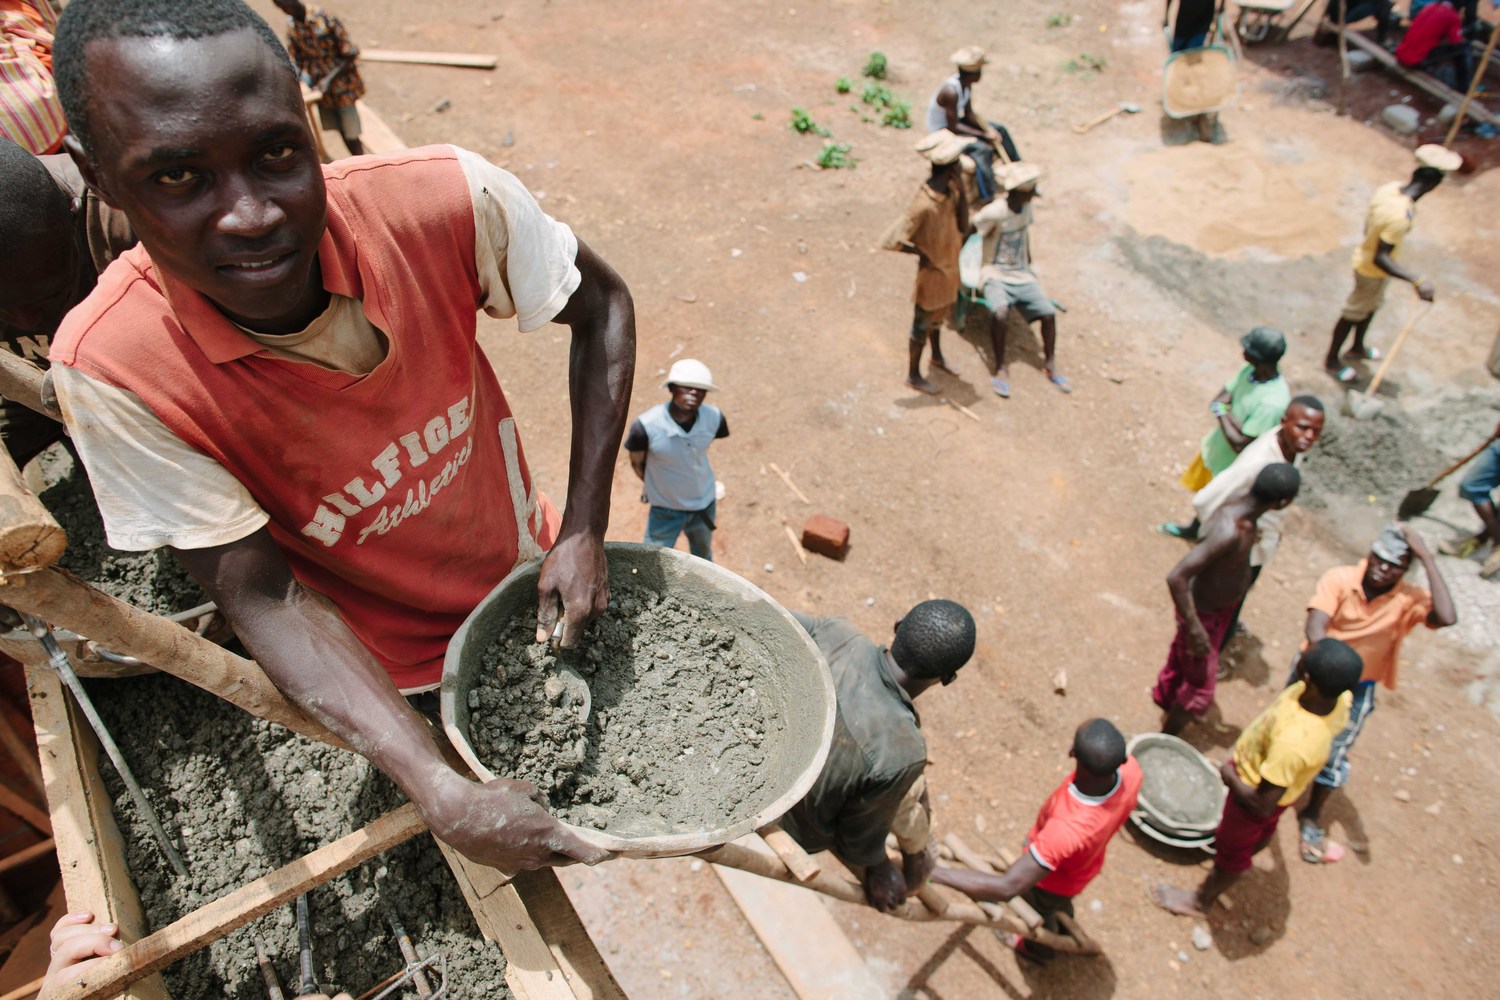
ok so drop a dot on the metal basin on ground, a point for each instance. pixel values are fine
(799, 691)
(1197, 814)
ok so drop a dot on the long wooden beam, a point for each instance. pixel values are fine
(463, 60)
(1416, 78)
(229, 913)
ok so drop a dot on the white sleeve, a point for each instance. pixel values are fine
(525, 258)
(1235, 480)
(153, 489)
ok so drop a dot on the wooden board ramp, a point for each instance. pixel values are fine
(1416, 78)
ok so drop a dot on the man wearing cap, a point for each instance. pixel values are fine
(668, 447)
(1373, 609)
(1392, 212)
(933, 227)
(1008, 279)
(952, 108)
(1249, 405)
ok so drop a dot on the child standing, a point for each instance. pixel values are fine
(328, 62)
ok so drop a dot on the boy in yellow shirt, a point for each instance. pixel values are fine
(1274, 760)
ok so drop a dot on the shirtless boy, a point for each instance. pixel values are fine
(1207, 586)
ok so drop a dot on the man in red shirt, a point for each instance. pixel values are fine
(283, 385)
(1065, 848)
(1435, 44)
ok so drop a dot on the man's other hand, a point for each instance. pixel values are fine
(503, 824)
(573, 585)
(885, 887)
(77, 944)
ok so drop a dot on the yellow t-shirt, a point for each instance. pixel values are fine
(1390, 219)
(1287, 745)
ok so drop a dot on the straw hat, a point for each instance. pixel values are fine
(941, 146)
(1017, 175)
(970, 57)
(1438, 158)
(690, 374)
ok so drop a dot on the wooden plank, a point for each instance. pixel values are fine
(90, 851)
(970, 859)
(26, 854)
(1417, 79)
(531, 970)
(24, 808)
(463, 60)
(806, 943)
(228, 913)
(68, 603)
(30, 537)
(791, 853)
(557, 921)
(377, 136)
(20, 750)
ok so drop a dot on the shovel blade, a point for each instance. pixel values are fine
(1416, 502)
(1360, 406)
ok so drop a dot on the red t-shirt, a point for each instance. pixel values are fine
(1436, 23)
(1072, 832)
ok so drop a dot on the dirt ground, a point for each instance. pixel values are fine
(659, 132)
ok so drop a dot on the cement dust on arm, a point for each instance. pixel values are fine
(315, 660)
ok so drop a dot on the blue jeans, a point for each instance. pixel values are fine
(663, 525)
(1483, 477)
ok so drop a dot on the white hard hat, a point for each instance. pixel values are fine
(692, 374)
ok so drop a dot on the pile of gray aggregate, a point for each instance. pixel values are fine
(677, 738)
(243, 797)
(1177, 787)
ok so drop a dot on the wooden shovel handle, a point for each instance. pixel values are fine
(1385, 365)
(1450, 470)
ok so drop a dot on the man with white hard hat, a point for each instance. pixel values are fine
(668, 447)
(952, 108)
(1392, 212)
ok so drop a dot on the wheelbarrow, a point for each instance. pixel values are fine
(1198, 83)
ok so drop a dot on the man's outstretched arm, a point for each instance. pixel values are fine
(303, 645)
(574, 581)
(988, 888)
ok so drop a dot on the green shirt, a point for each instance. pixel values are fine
(877, 751)
(1256, 406)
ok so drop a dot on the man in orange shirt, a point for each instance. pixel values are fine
(1066, 845)
(1373, 609)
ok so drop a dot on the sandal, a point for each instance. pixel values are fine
(1176, 531)
(1001, 387)
(1315, 846)
(1061, 381)
(1365, 354)
(1344, 374)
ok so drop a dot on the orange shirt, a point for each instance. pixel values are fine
(1072, 831)
(1374, 628)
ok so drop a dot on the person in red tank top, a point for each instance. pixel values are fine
(1066, 846)
(361, 473)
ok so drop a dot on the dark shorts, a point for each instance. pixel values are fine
(1240, 834)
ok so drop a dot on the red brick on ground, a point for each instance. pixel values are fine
(826, 536)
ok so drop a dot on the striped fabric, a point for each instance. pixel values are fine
(30, 113)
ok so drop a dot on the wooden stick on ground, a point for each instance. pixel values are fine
(463, 60)
(229, 913)
(961, 408)
(788, 480)
(796, 543)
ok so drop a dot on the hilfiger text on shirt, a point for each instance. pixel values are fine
(408, 452)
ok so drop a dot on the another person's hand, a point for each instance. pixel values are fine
(77, 943)
(1425, 291)
(1198, 643)
(503, 824)
(885, 887)
(573, 585)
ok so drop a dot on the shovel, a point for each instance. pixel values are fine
(1418, 500)
(1364, 405)
(1128, 107)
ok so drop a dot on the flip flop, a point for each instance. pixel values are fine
(1174, 531)
(1061, 381)
(1344, 374)
(1316, 848)
(1367, 354)
(1001, 387)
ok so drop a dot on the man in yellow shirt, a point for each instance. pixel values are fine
(1392, 211)
(1274, 760)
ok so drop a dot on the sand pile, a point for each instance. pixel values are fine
(243, 797)
(678, 733)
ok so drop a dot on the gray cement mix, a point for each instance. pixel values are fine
(676, 740)
(150, 580)
(243, 797)
(1178, 788)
